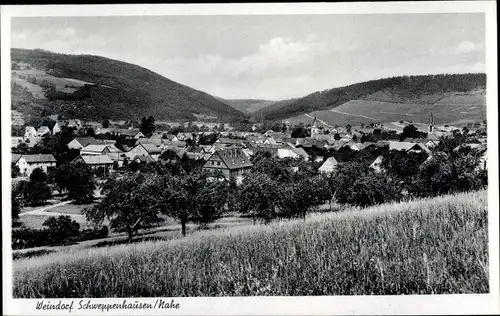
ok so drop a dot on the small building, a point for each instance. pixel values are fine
(28, 163)
(142, 159)
(231, 162)
(95, 161)
(30, 131)
(99, 149)
(408, 147)
(80, 142)
(42, 131)
(483, 161)
(376, 165)
(145, 150)
(56, 129)
(171, 138)
(328, 166)
(75, 123)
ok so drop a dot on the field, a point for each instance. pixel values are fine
(428, 246)
(449, 109)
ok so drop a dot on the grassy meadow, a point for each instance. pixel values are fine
(427, 246)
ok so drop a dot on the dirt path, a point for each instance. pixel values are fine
(43, 210)
(358, 115)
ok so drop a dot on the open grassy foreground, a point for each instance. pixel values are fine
(425, 246)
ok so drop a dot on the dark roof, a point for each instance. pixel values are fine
(85, 141)
(95, 159)
(233, 158)
(146, 159)
(39, 158)
(15, 157)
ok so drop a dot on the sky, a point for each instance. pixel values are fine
(271, 57)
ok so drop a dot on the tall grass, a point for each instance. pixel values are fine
(426, 246)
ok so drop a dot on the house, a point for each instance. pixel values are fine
(56, 129)
(76, 123)
(15, 158)
(142, 159)
(270, 141)
(130, 133)
(30, 131)
(155, 141)
(483, 161)
(319, 159)
(27, 163)
(145, 150)
(408, 147)
(231, 162)
(42, 131)
(171, 138)
(95, 161)
(230, 141)
(431, 143)
(302, 153)
(328, 166)
(377, 164)
(99, 149)
(80, 142)
(196, 153)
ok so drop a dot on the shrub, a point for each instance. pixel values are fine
(61, 229)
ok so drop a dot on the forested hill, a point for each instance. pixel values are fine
(428, 89)
(110, 89)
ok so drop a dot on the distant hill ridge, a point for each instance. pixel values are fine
(416, 90)
(247, 105)
(135, 92)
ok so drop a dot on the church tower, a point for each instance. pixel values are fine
(314, 128)
(431, 125)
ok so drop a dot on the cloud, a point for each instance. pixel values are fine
(468, 47)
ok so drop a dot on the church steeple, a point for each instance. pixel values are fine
(431, 124)
(314, 128)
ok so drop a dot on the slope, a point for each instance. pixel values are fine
(448, 94)
(247, 105)
(114, 89)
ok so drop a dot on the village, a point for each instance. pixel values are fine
(230, 151)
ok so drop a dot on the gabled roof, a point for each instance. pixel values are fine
(15, 158)
(85, 141)
(151, 148)
(95, 159)
(43, 129)
(100, 147)
(233, 158)
(403, 145)
(301, 152)
(170, 136)
(39, 158)
(146, 159)
(329, 164)
(151, 140)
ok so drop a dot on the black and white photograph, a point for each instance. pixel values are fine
(175, 153)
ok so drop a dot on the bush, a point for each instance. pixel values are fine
(90, 234)
(29, 238)
(61, 229)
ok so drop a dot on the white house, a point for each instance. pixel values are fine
(328, 166)
(145, 150)
(30, 132)
(56, 129)
(377, 164)
(27, 163)
(95, 161)
(42, 131)
(483, 161)
(80, 142)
